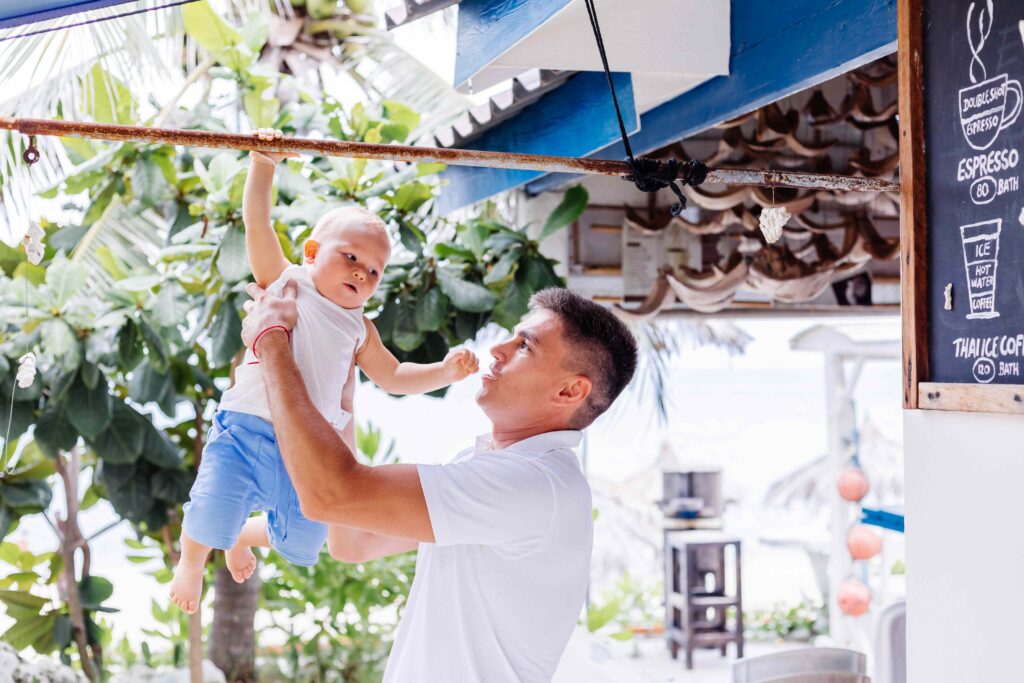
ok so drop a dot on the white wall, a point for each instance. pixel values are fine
(965, 546)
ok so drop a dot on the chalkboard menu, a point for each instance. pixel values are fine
(973, 61)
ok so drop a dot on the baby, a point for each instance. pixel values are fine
(242, 470)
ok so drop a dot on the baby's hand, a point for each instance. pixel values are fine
(460, 364)
(270, 158)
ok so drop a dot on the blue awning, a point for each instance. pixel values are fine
(774, 50)
(19, 12)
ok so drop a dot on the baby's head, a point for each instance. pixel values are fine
(347, 253)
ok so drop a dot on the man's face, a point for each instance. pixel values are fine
(528, 371)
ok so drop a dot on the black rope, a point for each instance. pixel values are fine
(649, 175)
(97, 20)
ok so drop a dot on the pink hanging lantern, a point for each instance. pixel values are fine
(853, 485)
(863, 542)
(853, 598)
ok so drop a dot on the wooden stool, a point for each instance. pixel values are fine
(695, 593)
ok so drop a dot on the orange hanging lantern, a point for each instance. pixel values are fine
(863, 542)
(853, 598)
(853, 485)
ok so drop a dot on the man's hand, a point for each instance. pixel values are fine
(270, 158)
(267, 310)
(460, 364)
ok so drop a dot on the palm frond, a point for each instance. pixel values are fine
(661, 342)
(386, 71)
(134, 238)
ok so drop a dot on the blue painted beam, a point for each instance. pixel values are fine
(573, 120)
(19, 12)
(488, 28)
(778, 48)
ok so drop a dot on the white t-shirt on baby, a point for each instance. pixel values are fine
(324, 343)
(497, 595)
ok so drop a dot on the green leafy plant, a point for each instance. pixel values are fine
(349, 610)
(800, 622)
(629, 604)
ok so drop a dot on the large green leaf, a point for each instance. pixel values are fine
(22, 415)
(25, 631)
(59, 341)
(121, 442)
(570, 208)
(149, 384)
(54, 432)
(106, 98)
(406, 336)
(208, 29)
(261, 110)
(158, 449)
(171, 306)
(62, 632)
(172, 486)
(155, 344)
(226, 334)
(232, 260)
(468, 296)
(431, 308)
(129, 345)
(23, 599)
(504, 268)
(27, 494)
(128, 488)
(398, 113)
(149, 182)
(63, 279)
(93, 591)
(88, 410)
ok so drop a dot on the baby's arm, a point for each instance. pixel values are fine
(266, 258)
(386, 372)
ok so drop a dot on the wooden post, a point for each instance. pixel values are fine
(913, 223)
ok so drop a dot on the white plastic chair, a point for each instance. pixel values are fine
(822, 677)
(890, 660)
(815, 661)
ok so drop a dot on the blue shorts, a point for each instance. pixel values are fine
(242, 472)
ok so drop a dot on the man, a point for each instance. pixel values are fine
(504, 531)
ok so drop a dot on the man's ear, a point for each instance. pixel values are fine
(310, 250)
(575, 391)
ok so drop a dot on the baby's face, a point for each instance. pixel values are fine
(348, 262)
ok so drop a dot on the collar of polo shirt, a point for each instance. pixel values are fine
(537, 444)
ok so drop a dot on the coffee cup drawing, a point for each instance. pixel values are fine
(987, 108)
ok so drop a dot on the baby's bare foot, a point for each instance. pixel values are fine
(187, 587)
(241, 562)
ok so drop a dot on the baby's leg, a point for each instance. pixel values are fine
(240, 559)
(187, 587)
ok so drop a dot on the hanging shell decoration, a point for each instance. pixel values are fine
(33, 241)
(772, 220)
(26, 370)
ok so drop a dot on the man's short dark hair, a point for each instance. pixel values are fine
(601, 347)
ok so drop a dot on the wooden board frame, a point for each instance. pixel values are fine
(918, 392)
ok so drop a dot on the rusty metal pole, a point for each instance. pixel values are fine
(458, 157)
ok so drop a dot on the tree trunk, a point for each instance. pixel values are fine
(233, 641)
(70, 541)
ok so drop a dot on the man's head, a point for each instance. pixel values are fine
(565, 364)
(347, 252)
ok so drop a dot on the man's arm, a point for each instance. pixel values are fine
(384, 370)
(353, 545)
(332, 486)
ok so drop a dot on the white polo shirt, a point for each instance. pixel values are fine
(498, 593)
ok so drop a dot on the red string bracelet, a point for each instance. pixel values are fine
(263, 332)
